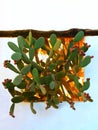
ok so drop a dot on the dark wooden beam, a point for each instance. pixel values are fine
(38, 33)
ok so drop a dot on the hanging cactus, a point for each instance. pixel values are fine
(46, 68)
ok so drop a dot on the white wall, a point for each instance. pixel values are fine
(49, 15)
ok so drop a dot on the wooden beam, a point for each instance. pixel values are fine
(38, 33)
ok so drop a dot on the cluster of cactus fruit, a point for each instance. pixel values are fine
(48, 70)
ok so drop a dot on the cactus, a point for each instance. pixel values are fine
(47, 79)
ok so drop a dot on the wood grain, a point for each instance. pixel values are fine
(38, 33)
